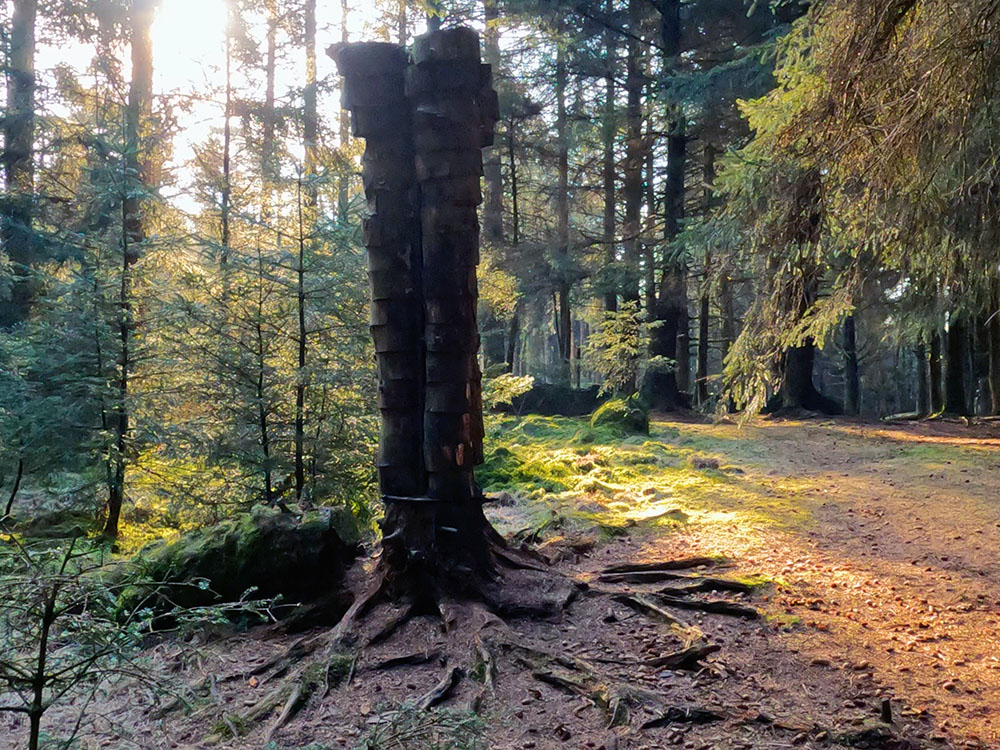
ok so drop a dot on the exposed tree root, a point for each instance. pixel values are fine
(645, 605)
(440, 692)
(713, 606)
(683, 715)
(683, 563)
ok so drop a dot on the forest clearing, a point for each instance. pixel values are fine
(467, 374)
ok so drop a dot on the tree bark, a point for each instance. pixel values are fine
(608, 168)
(344, 178)
(136, 168)
(662, 388)
(424, 303)
(564, 334)
(492, 173)
(923, 380)
(632, 192)
(957, 372)
(993, 331)
(852, 400)
(704, 311)
(935, 371)
(16, 236)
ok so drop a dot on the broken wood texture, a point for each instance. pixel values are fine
(425, 122)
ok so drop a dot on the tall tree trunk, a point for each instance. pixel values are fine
(563, 323)
(935, 371)
(513, 336)
(344, 176)
(993, 333)
(434, 533)
(263, 411)
(136, 175)
(492, 174)
(648, 243)
(268, 143)
(402, 23)
(608, 167)
(307, 196)
(16, 235)
(662, 386)
(515, 208)
(227, 145)
(852, 401)
(957, 373)
(634, 155)
(704, 311)
(923, 380)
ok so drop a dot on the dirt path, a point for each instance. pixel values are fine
(886, 540)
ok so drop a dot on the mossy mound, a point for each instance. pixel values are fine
(275, 554)
(556, 400)
(629, 415)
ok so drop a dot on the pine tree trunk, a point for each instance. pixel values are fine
(492, 173)
(852, 403)
(344, 176)
(993, 332)
(307, 205)
(956, 374)
(136, 170)
(16, 235)
(923, 380)
(608, 169)
(702, 368)
(513, 336)
(935, 371)
(662, 386)
(563, 319)
(632, 190)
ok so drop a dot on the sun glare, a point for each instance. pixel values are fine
(188, 42)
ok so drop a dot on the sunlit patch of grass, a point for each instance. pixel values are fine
(569, 476)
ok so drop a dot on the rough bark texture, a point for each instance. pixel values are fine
(492, 174)
(957, 375)
(16, 236)
(564, 336)
(994, 347)
(423, 248)
(798, 390)
(632, 193)
(923, 380)
(852, 377)
(936, 373)
(608, 168)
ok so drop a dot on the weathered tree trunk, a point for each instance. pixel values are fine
(424, 301)
(923, 380)
(852, 377)
(632, 192)
(133, 235)
(608, 168)
(16, 235)
(564, 336)
(957, 372)
(935, 371)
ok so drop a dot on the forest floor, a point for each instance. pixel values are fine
(871, 551)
